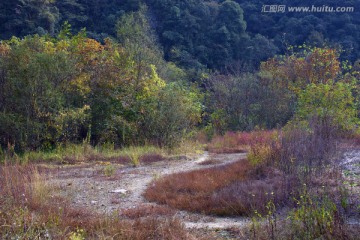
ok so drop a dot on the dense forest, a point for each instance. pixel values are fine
(195, 33)
(135, 72)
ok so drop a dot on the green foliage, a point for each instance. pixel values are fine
(134, 154)
(196, 34)
(313, 218)
(109, 170)
(23, 17)
(259, 154)
(243, 101)
(54, 91)
(133, 27)
(309, 82)
(177, 109)
(71, 124)
(316, 29)
(33, 81)
(329, 100)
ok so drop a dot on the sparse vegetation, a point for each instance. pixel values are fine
(239, 142)
(109, 170)
(275, 173)
(30, 209)
(144, 211)
(73, 154)
(225, 190)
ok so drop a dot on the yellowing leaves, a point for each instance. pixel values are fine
(81, 84)
(152, 84)
(158, 82)
(62, 45)
(328, 100)
(4, 49)
(313, 65)
(49, 47)
(89, 51)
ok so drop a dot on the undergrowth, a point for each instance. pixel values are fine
(80, 153)
(30, 209)
(278, 166)
(239, 142)
(223, 190)
(72, 154)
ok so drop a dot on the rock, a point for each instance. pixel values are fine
(122, 191)
(93, 202)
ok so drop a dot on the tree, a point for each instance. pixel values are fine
(329, 101)
(23, 17)
(172, 115)
(73, 12)
(32, 82)
(296, 71)
(234, 102)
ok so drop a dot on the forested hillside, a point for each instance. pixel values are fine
(195, 33)
(117, 71)
(336, 29)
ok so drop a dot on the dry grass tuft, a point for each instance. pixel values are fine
(222, 190)
(278, 165)
(30, 210)
(238, 142)
(151, 158)
(113, 159)
(148, 210)
(210, 162)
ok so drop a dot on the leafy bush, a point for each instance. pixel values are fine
(68, 89)
(314, 218)
(333, 102)
(173, 115)
(109, 170)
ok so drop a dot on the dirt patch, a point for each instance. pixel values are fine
(121, 192)
(351, 172)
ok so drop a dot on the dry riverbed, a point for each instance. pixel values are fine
(112, 188)
(87, 185)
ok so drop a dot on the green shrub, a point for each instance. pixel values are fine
(329, 101)
(109, 170)
(314, 217)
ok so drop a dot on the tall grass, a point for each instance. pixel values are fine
(278, 167)
(71, 154)
(30, 209)
(77, 153)
(226, 190)
(239, 142)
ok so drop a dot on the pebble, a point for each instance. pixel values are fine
(122, 191)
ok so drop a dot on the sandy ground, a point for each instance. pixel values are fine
(351, 171)
(87, 186)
